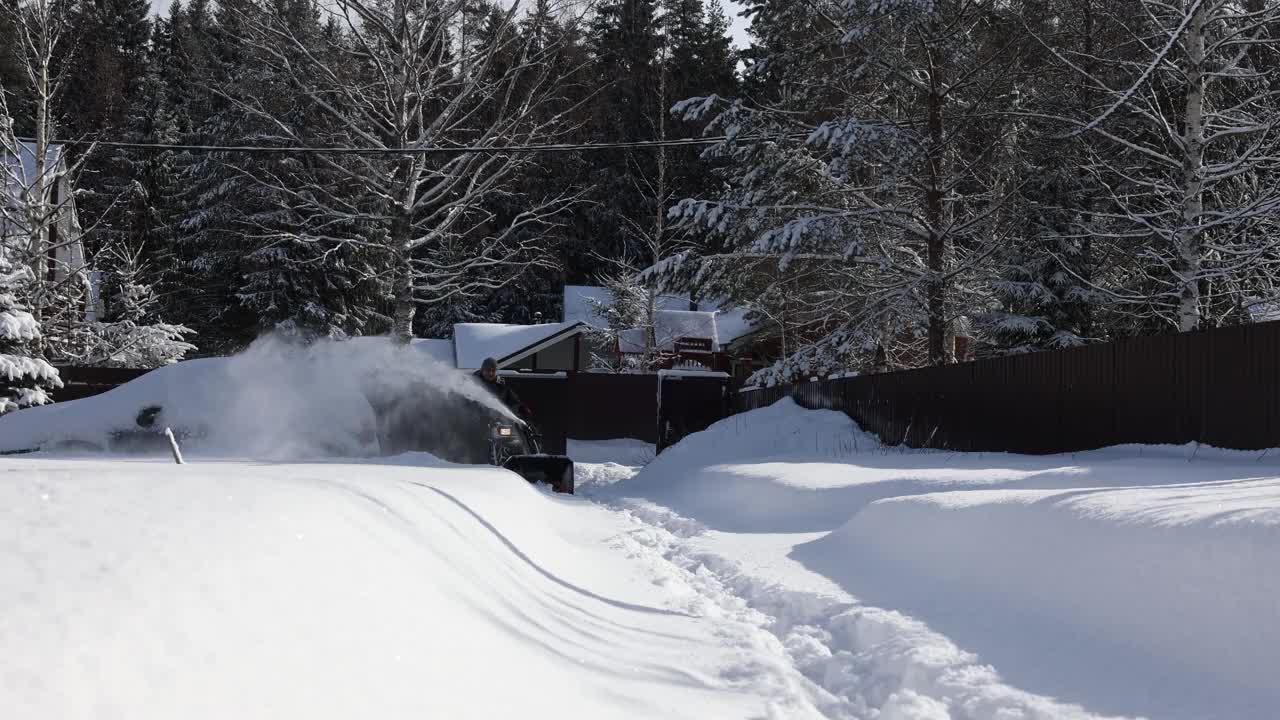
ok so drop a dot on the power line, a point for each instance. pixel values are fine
(420, 150)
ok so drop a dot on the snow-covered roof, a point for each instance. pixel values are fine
(733, 324)
(580, 302)
(473, 342)
(1263, 311)
(721, 328)
(631, 342)
(27, 156)
(671, 325)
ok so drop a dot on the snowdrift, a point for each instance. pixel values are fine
(787, 469)
(139, 589)
(1162, 601)
(1136, 581)
(275, 400)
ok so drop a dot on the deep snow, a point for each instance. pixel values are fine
(1130, 581)
(781, 564)
(139, 589)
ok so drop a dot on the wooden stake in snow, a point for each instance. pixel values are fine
(173, 445)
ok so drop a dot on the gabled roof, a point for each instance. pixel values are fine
(580, 303)
(508, 344)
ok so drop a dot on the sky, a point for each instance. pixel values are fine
(739, 25)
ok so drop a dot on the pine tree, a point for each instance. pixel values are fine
(1045, 273)
(129, 334)
(215, 191)
(874, 227)
(111, 38)
(626, 46)
(25, 376)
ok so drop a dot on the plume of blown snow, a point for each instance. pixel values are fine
(277, 399)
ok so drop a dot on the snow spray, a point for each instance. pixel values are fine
(284, 399)
(279, 399)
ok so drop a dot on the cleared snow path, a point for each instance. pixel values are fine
(1130, 582)
(865, 662)
(255, 590)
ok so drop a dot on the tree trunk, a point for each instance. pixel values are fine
(404, 307)
(37, 203)
(1093, 205)
(935, 250)
(1187, 240)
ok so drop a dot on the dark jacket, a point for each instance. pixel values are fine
(505, 395)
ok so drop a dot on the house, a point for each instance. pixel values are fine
(64, 247)
(684, 338)
(582, 303)
(547, 347)
(686, 332)
(699, 338)
(544, 348)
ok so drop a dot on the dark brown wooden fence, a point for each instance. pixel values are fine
(1217, 387)
(688, 404)
(601, 406)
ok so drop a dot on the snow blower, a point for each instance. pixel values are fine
(517, 447)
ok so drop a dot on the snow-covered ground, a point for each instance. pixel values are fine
(1125, 582)
(604, 462)
(326, 590)
(780, 564)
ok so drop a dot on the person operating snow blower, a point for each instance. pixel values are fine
(492, 381)
(516, 445)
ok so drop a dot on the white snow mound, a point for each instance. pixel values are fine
(145, 590)
(783, 468)
(1132, 581)
(1160, 600)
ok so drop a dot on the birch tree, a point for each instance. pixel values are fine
(1187, 141)
(397, 76)
(25, 375)
(45, 43)
(30, 209)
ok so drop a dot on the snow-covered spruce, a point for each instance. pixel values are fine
(129, 334)
(25, 377)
